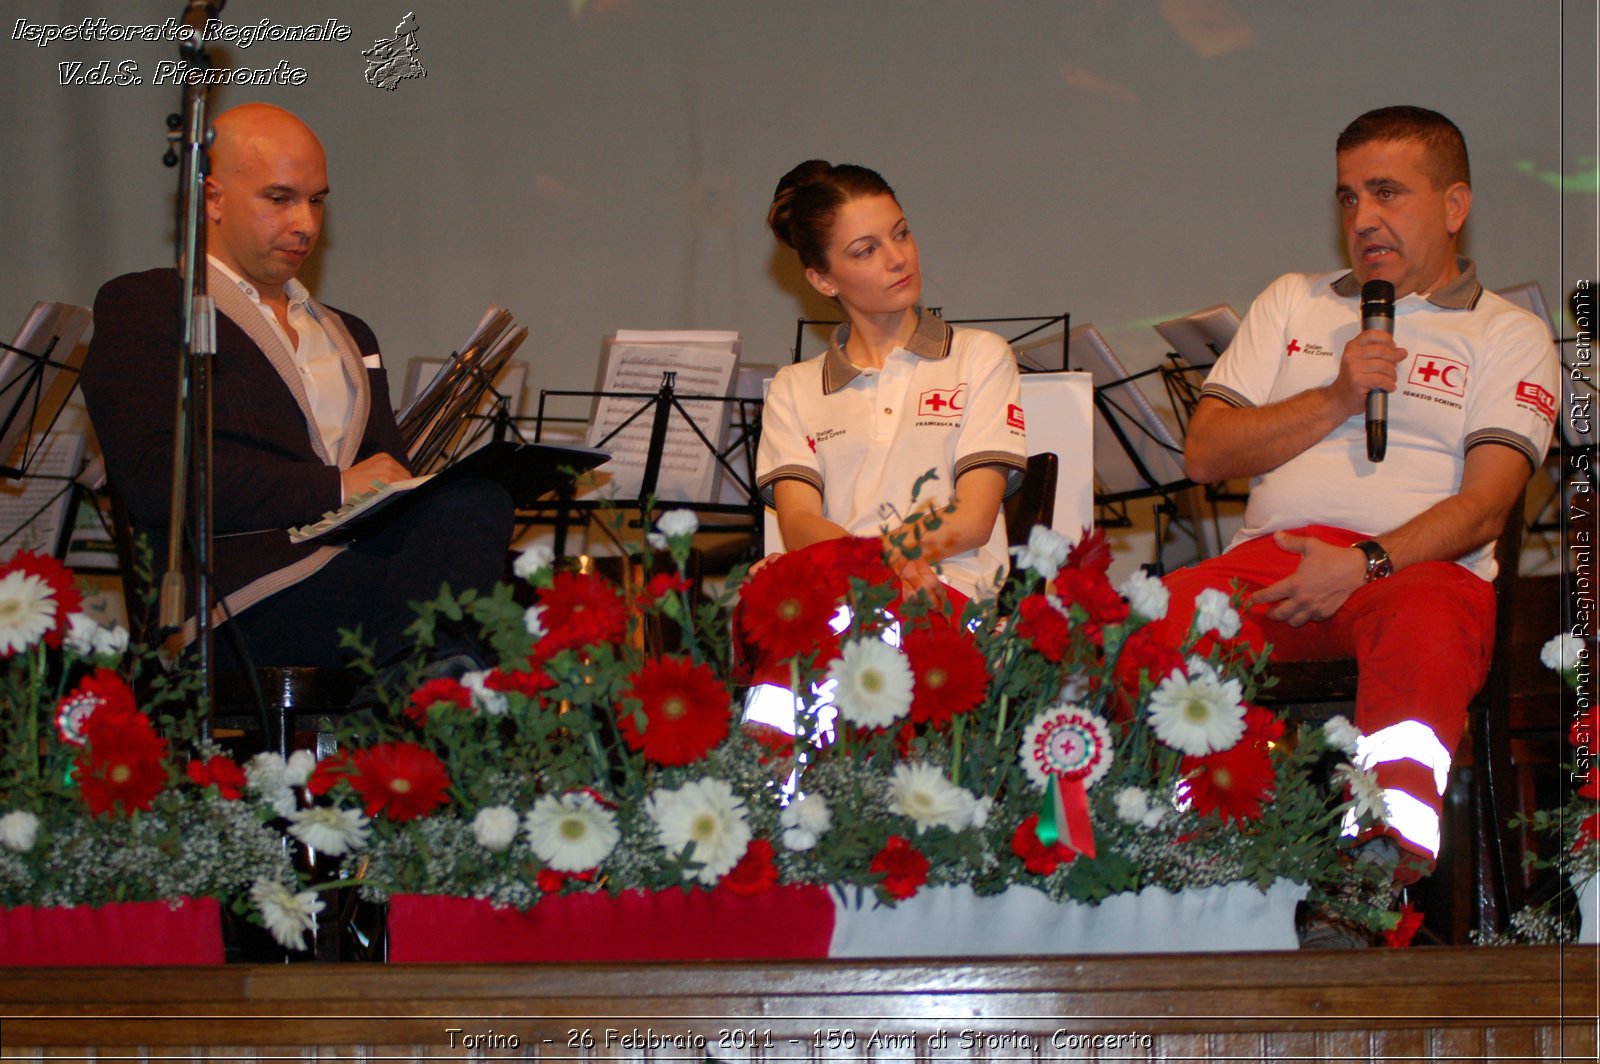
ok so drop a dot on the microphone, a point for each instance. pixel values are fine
(196, 13)
(1377, 312)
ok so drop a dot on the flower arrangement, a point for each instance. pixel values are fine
(1574, 826)
(815, 728)
(103, 801)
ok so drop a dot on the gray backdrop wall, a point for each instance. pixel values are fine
(592, 164)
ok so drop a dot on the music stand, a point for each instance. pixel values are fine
(1136, 455)
(29, 376)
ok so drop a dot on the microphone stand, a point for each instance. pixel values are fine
(191, 452)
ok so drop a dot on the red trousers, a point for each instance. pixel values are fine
(1421, 638)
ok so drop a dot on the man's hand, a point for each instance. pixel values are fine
(1369, 363)
(1326, 576)
(379, 469)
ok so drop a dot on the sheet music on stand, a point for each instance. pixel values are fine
(31, 390)
(632, 364)
(36, 512)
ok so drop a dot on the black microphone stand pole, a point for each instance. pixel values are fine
(191, 453)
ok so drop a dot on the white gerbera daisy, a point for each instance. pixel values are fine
(804, 821)
(571, 832)
(1213, 612)
(1366, 795)
(708, 814)
(18, 830)
(329, 829)
(533, 561)
(1562, 653)
(1198, 714)
(1341, 735)
(1045, 552)
(287, 915)
(874, 683)
(495, 827)
(489, 702)
(1147, 595)
(27, 610)
(921, 792)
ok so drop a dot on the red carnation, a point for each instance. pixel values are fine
(219, 772)
(63, 588)
(328, 773)
(660, 586)
(950, 673)
(1091, 552)
(1582, 732)
(122, 768)
(1090, 590)
(1403, 932)
(551, 881)
(1588, 831)
(685, 707)
(101, 689)
(529, 684)
(1038, 858)
(1232, 783)
(580, 609)
(400, 779)
(902, 866)
(1044, 627)
(754, 874)
(442, 691)
(1144, 658)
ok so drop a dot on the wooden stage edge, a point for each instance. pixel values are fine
(1512, 1003)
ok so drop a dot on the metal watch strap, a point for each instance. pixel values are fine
(1378, 563)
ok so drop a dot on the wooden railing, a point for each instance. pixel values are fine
(1420, 1004)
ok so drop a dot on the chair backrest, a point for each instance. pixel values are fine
(1034, 503)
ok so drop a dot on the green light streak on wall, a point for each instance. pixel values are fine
(1586, 179)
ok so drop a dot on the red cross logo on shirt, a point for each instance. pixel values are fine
(1294, 345)
(943, 402)
(1439, 374)
(811, 443)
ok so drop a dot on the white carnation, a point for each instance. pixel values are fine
(1147, 595)
(1132, 805)
(1562, 653)
(495, 828)
(532, 561)
(18, 830)
(533, 621)
(1045, 552)
(804, 821)
(1341, 735)
(1213, 612)
(487, 700)
(678, 523)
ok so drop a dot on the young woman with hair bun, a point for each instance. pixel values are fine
(849, 435)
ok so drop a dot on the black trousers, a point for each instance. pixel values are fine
(458, 534)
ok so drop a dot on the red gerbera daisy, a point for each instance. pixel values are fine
(122, 767)
(785, 608)
(220, 772)
(581, 609)
(1261, 726)
(1043, 626)
(685, 708)
(442, 691)
(903, 867)
(401, 780)
(1038, 858)
(1588, 831)
(950, 673)
(1232, 783)
(69, 599)
(754, 874)
(328, 773)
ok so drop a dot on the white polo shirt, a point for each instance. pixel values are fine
(1479, 370)
(947, 402)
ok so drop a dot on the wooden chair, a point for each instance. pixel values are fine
(1034, 503)
(1489, 884)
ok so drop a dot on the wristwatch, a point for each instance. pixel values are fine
(1378, 563)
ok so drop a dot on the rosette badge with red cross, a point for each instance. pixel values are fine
(1065, 751)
